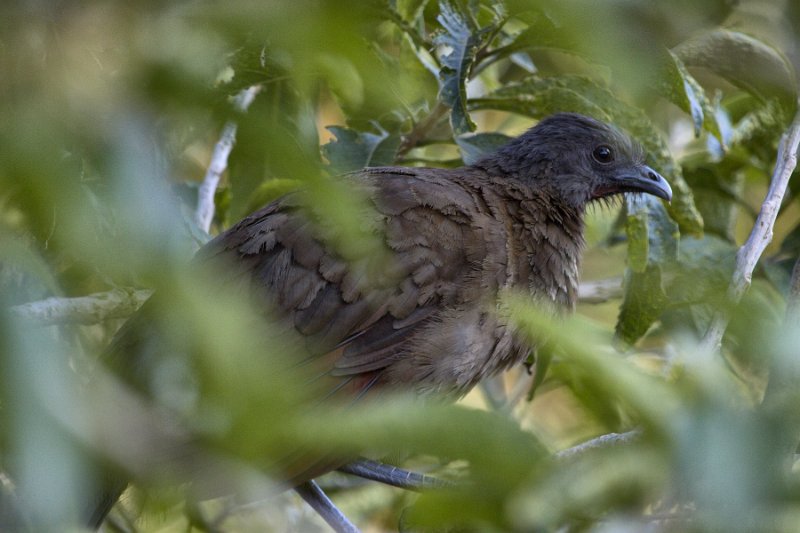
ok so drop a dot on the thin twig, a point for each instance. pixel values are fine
(761, 235)
(421, 130)
(121, 303)
(91, 309)
(204, 213)
(603, 441)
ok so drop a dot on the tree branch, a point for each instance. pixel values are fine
(121, 303)
(320, 502)
(204, 213)
(420, 130)
(603, 441)
(748, 255)
(91, 309)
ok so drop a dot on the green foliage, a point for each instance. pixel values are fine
(462, 39)
(684, 91)
(353, 150)
(107, 123)
(652, 247)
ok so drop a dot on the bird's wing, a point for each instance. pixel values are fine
(433, 230)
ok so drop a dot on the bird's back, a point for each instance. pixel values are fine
(424, 312)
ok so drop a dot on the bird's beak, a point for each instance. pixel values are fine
(644, 179)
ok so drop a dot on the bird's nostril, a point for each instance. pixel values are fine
(652, 175)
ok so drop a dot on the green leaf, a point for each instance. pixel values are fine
(580, 342)
(342, 78)
(544, 32)
(538, 97)
(718, 193)
(461, 39)
(354, 150)
(642, 305)
(759, 124)
(652, 245)
(699, 282)
(408, 20)
(475, 146)
(745, 62)
(615, 477)
(680, 87)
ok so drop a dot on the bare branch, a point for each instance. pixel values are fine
(219, 162)
(748, 255)
(92, 309)
(603, 441)
(121, 303)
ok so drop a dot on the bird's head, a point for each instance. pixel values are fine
(579, 159)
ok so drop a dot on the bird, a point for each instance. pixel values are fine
(426, 318)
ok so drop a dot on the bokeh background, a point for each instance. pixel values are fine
(110, 113)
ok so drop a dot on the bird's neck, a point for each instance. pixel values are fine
(552, 234)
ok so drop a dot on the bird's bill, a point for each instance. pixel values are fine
(644, 179)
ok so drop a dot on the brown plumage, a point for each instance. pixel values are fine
(455, 239)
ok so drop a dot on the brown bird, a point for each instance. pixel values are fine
(454, 238)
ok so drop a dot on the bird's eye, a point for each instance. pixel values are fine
(603, 154)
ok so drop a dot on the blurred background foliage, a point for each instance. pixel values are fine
(109, 112)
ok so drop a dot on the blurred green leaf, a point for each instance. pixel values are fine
(579, 340)
(595, 482)
(343, 79)
(271, 190)
(107, 122)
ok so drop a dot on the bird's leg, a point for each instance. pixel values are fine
(392, 475)
(317, 499)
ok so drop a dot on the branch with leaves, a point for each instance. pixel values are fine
(761, 235)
